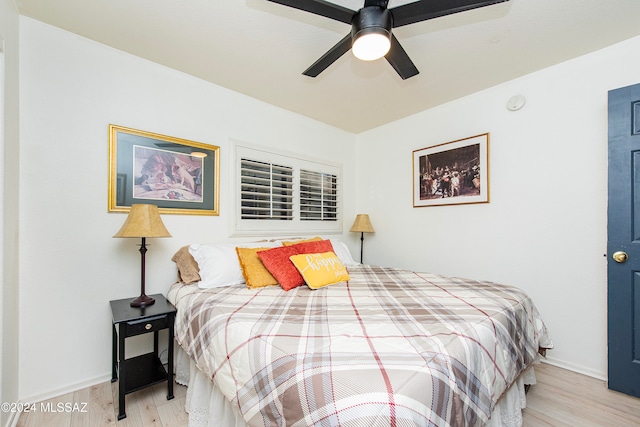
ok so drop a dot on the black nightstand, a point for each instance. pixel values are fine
(142, 371)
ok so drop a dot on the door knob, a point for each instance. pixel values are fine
(620, 256)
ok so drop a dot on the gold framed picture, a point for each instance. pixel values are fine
(177, 175)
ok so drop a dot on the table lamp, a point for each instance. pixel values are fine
(363, 225)
(143, 221)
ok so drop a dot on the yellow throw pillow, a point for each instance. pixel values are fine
(295, 242)
(321, 269)
(254, 272)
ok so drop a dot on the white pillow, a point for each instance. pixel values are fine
(339, 248)
(342, 251)
(218, 263)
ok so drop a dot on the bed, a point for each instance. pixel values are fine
(387, 347)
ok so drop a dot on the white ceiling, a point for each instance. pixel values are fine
(260, 48)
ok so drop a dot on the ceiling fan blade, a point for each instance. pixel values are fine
(330, 57)
(380, 3)
(400, 61)
(429, 9)
(320, 7)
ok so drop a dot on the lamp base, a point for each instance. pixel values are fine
(142, 301)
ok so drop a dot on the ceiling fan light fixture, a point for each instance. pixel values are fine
(371, 46)
(371, 33)
(375, 17)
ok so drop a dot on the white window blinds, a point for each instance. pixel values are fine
(318, 196)
(279, 192)
(266, 190)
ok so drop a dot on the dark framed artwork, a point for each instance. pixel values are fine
(177, 175)
(452, 173)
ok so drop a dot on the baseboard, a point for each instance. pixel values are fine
(13, 419)
(77, 386)
(66, 389)
(576, 368)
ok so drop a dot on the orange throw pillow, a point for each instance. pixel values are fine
(277, 261)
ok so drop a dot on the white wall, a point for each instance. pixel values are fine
(9, 196)
(71, 89)
(545, 227)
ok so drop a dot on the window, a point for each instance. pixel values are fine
(318, 196)
(266, 190)
(279, 193)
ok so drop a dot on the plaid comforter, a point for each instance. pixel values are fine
(388, 348)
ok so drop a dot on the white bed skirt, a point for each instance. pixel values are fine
(208, 407)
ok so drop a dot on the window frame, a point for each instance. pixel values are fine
(295, 226)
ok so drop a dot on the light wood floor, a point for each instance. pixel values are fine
(560, 398)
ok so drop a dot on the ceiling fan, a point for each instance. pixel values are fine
(371, 37)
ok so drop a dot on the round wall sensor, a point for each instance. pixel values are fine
(516, 102)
